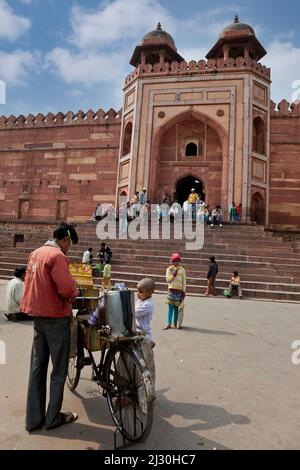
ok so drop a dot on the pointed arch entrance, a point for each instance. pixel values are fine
(171, 162)
(184, 186)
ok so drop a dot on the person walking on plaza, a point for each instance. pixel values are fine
(48, 295)
(211, 276)
(14, 293)
(176, 279)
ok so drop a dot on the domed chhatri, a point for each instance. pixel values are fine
(237, 28)
(159, 36)
(237, 39)
(157, 46)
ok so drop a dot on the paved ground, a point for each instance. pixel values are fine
(226, 381)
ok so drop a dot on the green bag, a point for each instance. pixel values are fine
(226, 293)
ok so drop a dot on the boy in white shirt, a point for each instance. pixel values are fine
(144, 308)
(143, 313)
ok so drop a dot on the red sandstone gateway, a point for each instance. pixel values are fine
(207, 124)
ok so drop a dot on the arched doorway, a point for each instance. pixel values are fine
(171, 160)
(184, 186)
(258, 213)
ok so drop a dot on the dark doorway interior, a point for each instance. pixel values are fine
(258, 211)
(184, 186)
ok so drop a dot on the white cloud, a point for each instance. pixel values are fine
(87, 68)
(16, 66)
(284, 60)
(117, 22)
(193, 53)
(12, 26)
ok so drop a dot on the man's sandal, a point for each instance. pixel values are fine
(69, 417)
(168, 327)
(65, 418)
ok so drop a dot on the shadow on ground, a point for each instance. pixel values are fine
(176, 425)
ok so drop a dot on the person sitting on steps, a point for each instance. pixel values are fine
(235, 284)
(217, 217)
(14, 293)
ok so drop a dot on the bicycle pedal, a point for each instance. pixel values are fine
(85, 361)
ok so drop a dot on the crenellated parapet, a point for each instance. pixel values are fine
(61, 119)
(284, 108)
(200, 67)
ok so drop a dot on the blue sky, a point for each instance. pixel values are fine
(61, 55)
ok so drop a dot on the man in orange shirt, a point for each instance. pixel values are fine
(49, 291)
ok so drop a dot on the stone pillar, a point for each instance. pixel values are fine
(226, 52)
(246, 53)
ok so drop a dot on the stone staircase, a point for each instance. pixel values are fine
(269, 267)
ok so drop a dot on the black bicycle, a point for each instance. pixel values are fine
(121, 373)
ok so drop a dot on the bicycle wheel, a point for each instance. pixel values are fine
(74, 370)
(127, 395)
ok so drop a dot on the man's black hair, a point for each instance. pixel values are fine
(235, 273)
(65, 230)
(212, 259)
(90, 249)
(20, 271)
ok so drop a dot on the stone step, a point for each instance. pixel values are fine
(156, 251)
(194, 270)
(279, 266)
(236, 250)
(221, 280)
(200, 289)
(159, 277)
(208, 235)
(281, 296)
(269, 267)
(208, 241)
(156, 268)
(197, 263)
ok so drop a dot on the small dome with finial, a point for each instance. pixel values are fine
(159, 36)
(156, 46)
(237, 28)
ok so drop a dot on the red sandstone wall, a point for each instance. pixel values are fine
(285, 165)
(47, 159)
